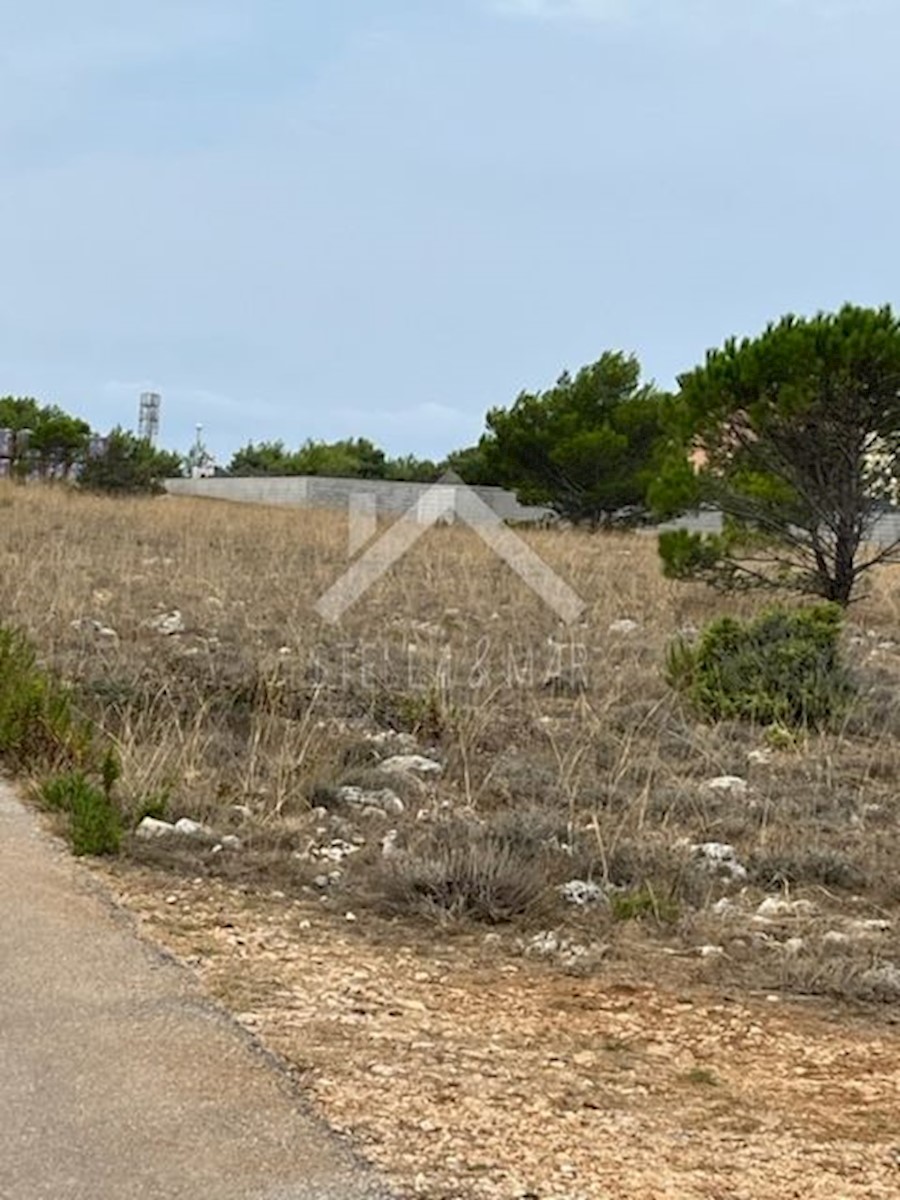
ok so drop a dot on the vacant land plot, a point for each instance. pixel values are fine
(445, 846)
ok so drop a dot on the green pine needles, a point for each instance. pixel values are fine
(781, 668)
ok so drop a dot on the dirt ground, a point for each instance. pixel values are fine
(466, 1071)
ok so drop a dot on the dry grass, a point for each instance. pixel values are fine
(564, 751)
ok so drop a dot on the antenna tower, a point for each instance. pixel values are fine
(148, 416)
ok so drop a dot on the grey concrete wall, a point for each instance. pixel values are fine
(885, 532)
(290, 490)
(420, 500)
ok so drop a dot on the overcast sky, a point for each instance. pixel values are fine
(327, 218)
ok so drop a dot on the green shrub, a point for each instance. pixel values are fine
(37, 725)
(129, 466)
(687, 555)
(56, 792)
(643, 902)
(40, 731)
(782, 668)
(426, 714)
(95, 824)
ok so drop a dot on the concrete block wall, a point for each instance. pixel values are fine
(290, 490)
(392, 498)
(419, 500)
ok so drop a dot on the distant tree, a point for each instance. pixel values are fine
(795, 437)
(411, 469)
(58, 441)
(19, 412)
(129, 465)
(470, 464)
(587, 447)
(266, 458)
(353, 457)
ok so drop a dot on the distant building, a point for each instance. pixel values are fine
(7, 448)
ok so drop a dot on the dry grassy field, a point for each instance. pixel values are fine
(564, 756)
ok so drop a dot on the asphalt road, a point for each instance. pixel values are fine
(118, 1081)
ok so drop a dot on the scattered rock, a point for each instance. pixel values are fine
(710, 951)
(412, 764)
(383, 800)
(373, 814)
(729, 785)
(581, 892)
(835, 938)
(775, 908)
(336, 851)
(720, 858)
(794, 946)
(760, 757)
(167, 624)
(868, 927)
(193, 829)
(543, 944)
(151, 828)
(393, 739)
(389, 843)
(624, 626)
(570, 954)
(96, 628)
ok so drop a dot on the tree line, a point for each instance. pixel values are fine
(44, 441)
(792, 436)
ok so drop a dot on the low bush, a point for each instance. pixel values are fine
(41, 733)
(782, 668)
(644, 902)
(95, 823)
(687, 555)
(38, 727)
(425, 714)
(807, 865)
(460, 869)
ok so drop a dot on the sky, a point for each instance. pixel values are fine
(381, 218)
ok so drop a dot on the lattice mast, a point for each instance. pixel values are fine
(148, 416)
